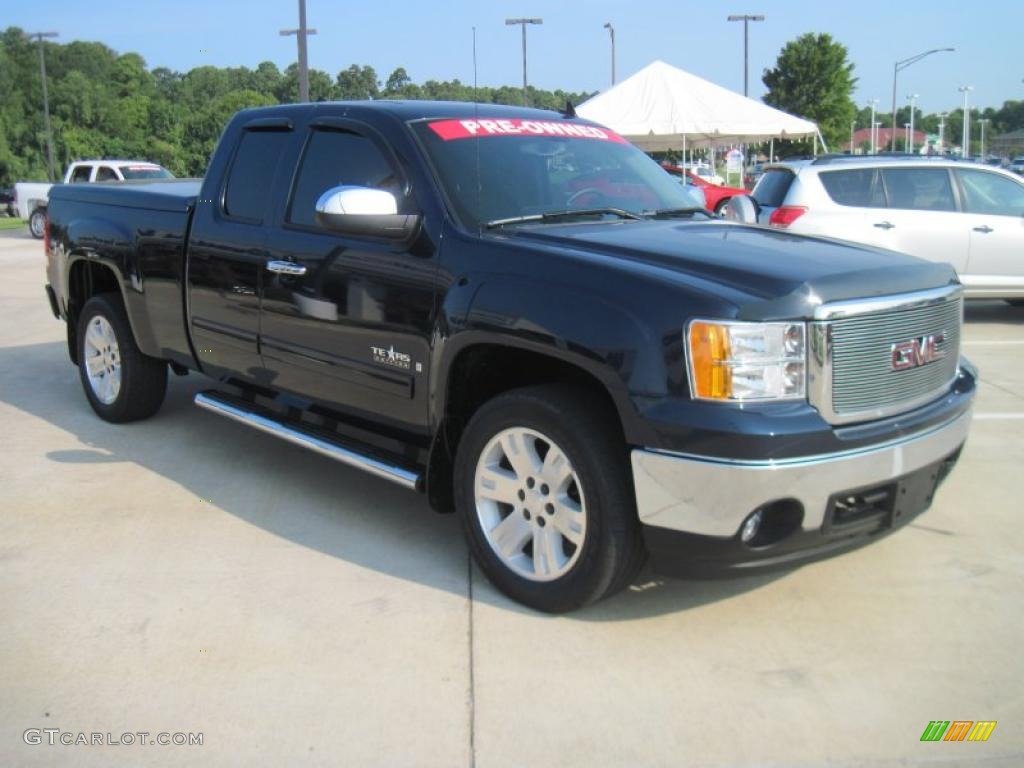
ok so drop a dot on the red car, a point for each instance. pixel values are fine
(715, 197)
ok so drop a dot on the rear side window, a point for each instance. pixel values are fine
(252, 174)
(991, 193)
(919, 189)
(861, 187)
(772, 188)
(81, 174)
(335, 158)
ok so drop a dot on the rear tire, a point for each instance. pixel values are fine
(37, 223)
(120, 382)
(545, 496)
(721, 205)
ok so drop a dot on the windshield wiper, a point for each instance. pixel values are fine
(667, 212)
(622, 213)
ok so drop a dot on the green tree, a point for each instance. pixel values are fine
(357, 83)
(812, 78)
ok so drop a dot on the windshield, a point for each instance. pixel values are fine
(145, 172)
(493, 170)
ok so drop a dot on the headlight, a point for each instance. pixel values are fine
(740, 361)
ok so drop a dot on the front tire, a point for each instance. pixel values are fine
(720, 208)
(120, 382)
(37, 223)
(545, 497)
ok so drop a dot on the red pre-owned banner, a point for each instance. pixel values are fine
(467, 129)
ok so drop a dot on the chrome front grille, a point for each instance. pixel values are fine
(852, 377)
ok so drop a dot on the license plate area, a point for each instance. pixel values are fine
(886, 505)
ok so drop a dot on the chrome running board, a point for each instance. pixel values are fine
(265, 422)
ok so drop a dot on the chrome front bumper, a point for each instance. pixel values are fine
(712, 497)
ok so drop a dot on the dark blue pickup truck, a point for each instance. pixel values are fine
(521, 315)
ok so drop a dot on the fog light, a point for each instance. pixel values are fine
(751, 526)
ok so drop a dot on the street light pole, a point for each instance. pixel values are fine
(853, 125)
(906, 135)
(982, 122)
(895, 71)
(746, 18)
(611, 31)
(523, 23)
(873, 103)
(301, 34)
(912, 97)
(965, 150)
(46, 100)
(942, 133)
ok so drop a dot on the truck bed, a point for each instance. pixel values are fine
(172, 195)
(104, 223)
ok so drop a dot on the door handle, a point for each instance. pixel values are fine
(885, 225)
(984, 228)
(286, 268)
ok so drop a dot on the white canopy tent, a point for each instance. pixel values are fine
(662, 107)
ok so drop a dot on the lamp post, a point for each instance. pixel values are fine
(46, 99)
(906, 136)
(966, 139)
(611, 31)
(301, 34)
(982, 122)
(873, 103)
(746, 18)
(877, 124)
(942, 133)
(853, 125)
(896, 70)
(523, 23)
(912, 98)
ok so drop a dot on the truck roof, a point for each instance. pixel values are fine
(412, 109)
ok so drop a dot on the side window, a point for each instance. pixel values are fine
(333, 158)
(81, 174)
(104, 173)
(861, 187)
(919, 189)
(252, 173)
(991, 193)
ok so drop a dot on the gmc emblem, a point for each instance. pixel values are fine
(918, 352)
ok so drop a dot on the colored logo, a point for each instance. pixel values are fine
(917, 352)
(958, 730)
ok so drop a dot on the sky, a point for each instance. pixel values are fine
(571, 50)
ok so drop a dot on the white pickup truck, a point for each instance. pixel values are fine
(31, 197)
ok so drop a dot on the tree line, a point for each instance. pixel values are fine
(105, 104)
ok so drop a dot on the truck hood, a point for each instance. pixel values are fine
(769, 273)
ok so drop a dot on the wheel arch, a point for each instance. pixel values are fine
(87, 276)
(482, 368)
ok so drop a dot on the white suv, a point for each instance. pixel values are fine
(967, 214)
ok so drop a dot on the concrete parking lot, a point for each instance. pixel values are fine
(186, 574)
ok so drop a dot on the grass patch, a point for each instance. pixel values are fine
(9, 223)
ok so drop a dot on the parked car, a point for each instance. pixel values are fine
(706, 173)
(31, 196)
(714, 196)
(586, 374)
(1017, 165)
(967, 214)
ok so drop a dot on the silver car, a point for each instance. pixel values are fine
(967, 214)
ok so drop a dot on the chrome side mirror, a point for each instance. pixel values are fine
(365, 212)
(742, 209)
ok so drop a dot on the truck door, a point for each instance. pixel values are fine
(227, 254)
(346, 321)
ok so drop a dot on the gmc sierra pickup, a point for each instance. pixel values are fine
(521, 315)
